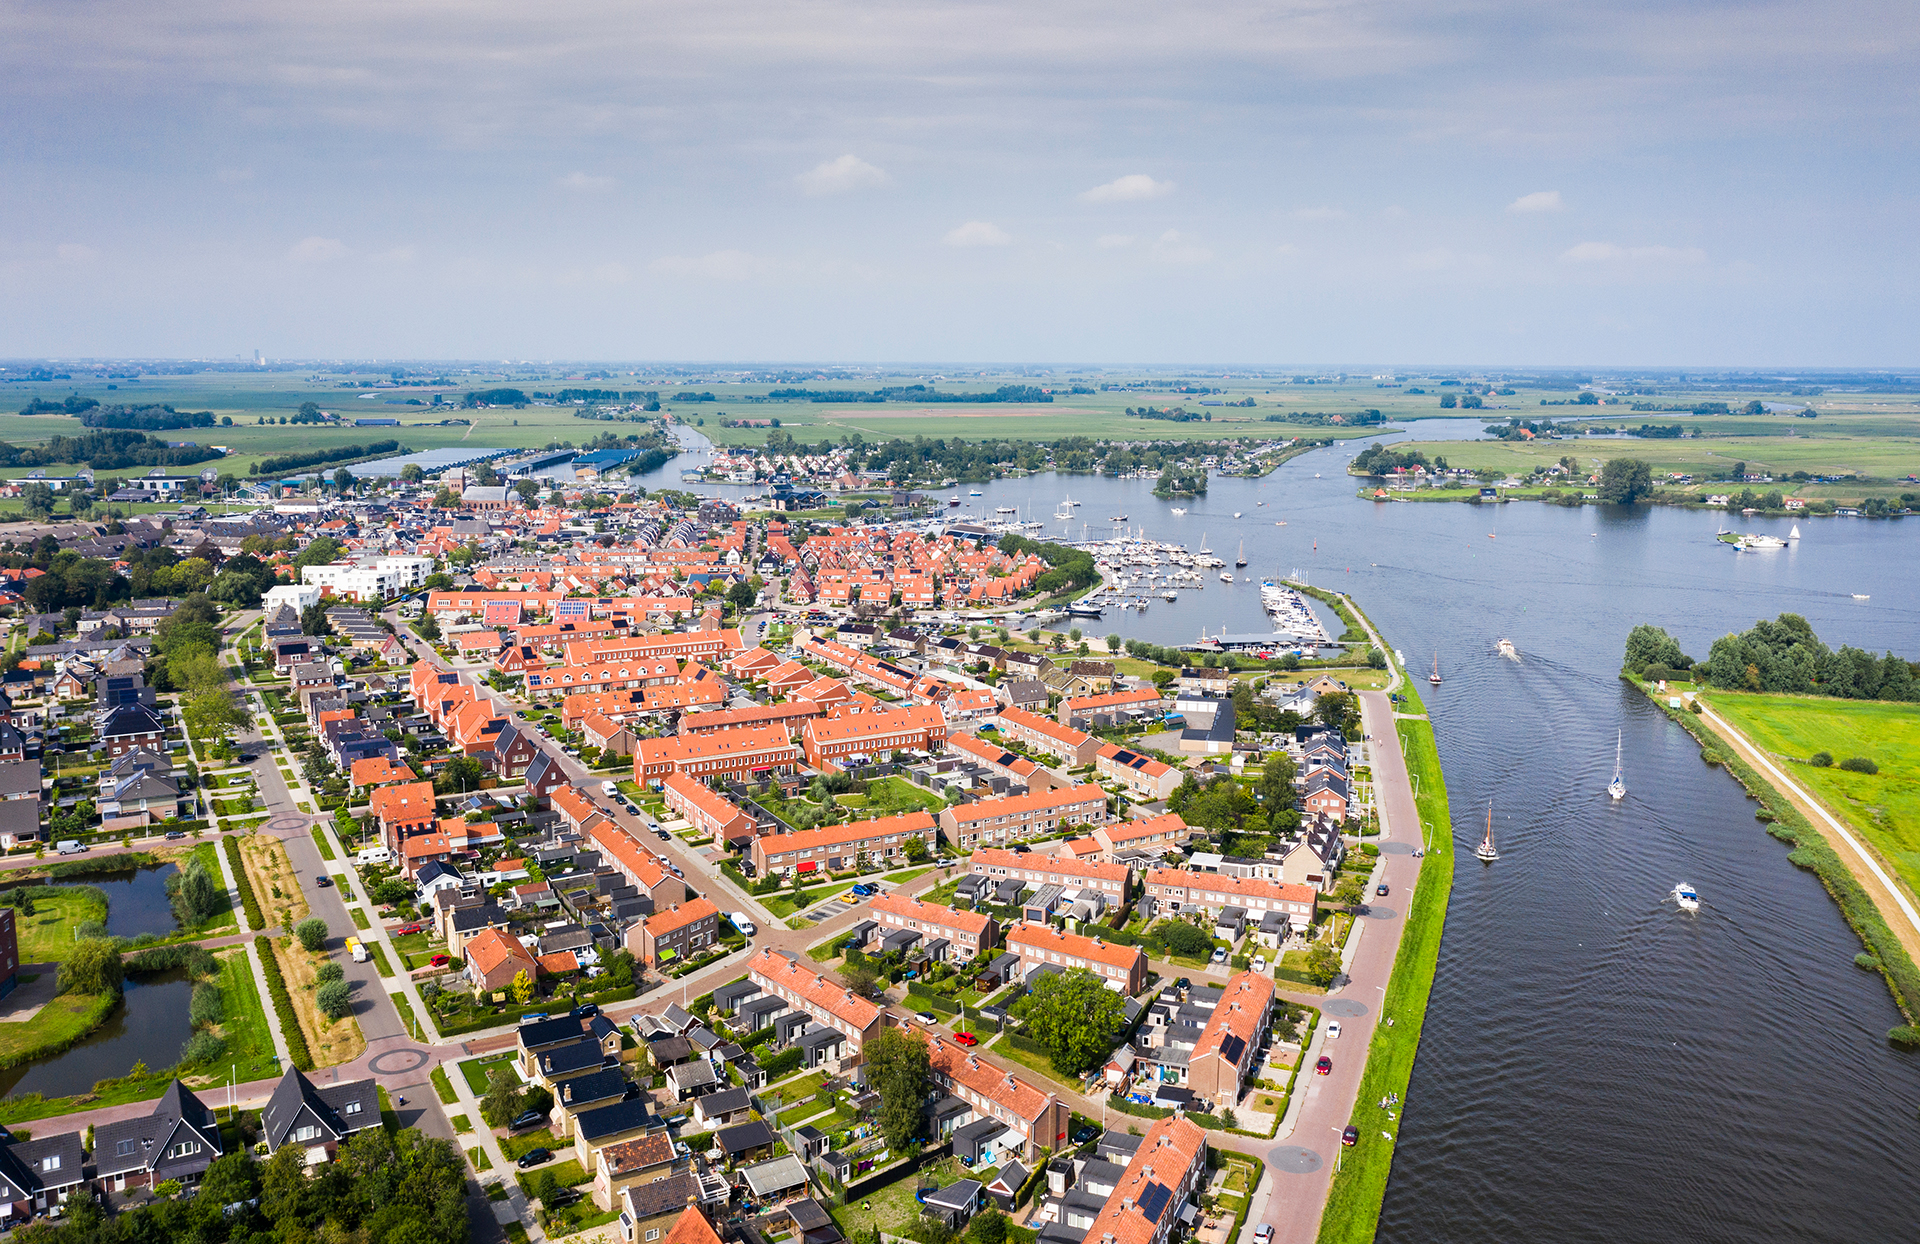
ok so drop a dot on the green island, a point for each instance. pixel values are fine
(1842, 725)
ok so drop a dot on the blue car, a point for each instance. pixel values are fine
(864, 891)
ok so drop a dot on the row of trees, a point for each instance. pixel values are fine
(1780, 655)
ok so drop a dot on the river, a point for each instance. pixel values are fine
(1596, 1065)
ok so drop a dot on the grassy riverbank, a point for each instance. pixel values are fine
(1812, 851)
(56, 1026)
(1883, 807)
(1354, 1198)
(1353, 1201)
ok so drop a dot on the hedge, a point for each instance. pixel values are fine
(251, 904)
(1124, 1106)
(784, 1063)
(283, 1005)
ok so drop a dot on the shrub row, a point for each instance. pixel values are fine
(248, 902)
(283, 1004)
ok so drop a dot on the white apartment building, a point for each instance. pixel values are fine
(372, 579)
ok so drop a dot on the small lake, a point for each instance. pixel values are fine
(150, 1025)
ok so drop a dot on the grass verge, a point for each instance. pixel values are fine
(296, 1039)
(1352, 1211)
(443, 1086)
(244, 1019)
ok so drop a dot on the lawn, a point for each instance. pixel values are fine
(910, 874)
(249, 1039)
(1884, 808)
(443, 1086)
(527, 1142)
(47, 935)
(786, 903)
(476, 1071)
(59, 1024)
(894, 1208)
(1039, 1064)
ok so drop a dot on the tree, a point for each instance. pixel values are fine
(334, 999)
(521, 988)
(318, 553)
(742, 595)
(312, 933)
(988, 1228)
(1075, 1016)
(1651, 645)
(859, 978)
(37, 497)
(916, 851)
(1376, 659)
(92, 967)
(1624, 481)
(196, 897)
(343, 479)
(1276, 782)
(463, 773)
(528, 489)
(1338, 709)
(897, 1069)
(233, 1177)
(1184, 939)
(429, 626)
(1323, 963)
(411, 473)
(621, 968)
(502, 1100)
(1351, 892)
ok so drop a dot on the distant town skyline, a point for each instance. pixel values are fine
(1277, 184)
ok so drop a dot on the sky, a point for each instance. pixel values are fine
(1295, 183)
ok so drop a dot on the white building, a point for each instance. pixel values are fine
(373, 579)
(295, 596)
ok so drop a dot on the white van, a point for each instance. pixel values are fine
(741, 922)
(609, 788)
(70, 847)
(373, 855)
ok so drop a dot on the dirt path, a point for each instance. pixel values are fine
(1894, 903)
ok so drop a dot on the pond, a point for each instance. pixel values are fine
(136, 900)
(150, 1025)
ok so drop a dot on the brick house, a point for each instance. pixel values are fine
(681, 932)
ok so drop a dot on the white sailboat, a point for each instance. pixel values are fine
(1241, 558)
(1486, 849)
(1795, 533)
(1618, 787)
(1434, 677)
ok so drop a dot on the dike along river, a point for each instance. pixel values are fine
(1596, 1065)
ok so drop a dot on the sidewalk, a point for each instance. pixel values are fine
(503, 1171)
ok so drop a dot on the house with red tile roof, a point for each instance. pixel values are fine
(877, 733)
(1123, 968)
(834, 848)
(1155, 834)
(707, 810)
(738, 753)
(1165, 1172)
(1072, 748)
(990, 822)
(827, 1001)
(494, 957)
(672, 936)
(1035, 1118)
(1038, 869)
(1229, 1047)
(968, 933)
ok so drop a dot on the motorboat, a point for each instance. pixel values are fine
(1225, 577)
(1169, 594)
(974, 493)
(1506, 649)
(1687, 897)
(1236, 514)
(1861, 596)
(1760, 544)
(1178, 510)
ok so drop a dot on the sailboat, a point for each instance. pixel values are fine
(1618, 787)
(1241, 558)
(1795, 533)
(1486, 849)
(1434, 677)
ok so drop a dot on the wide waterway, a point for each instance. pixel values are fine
(1596, 1065)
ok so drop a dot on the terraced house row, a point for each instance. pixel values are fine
(990, 822)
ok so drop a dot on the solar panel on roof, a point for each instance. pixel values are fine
(1153, 1199)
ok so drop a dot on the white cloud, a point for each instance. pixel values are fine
(840, 176)
(75, 252)
(1132, 187)
(1610, 252)
(1173, 247)
(1320, 213)
(317, 250)
(1538, 201)
(977, 233)
(585, 183)
(1113, 241)
(727, 265)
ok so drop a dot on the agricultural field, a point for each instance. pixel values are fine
(1882, 807)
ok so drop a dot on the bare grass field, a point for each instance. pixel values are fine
(332, 1042)
(271, 872)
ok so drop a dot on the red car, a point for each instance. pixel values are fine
(405, 929)
(966, 1038)
(440, 961)
(1324, 1066)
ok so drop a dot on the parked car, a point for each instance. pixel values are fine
(533, 1157)
(1324, 1066)
(1381, 888)
(864, 890)
(663, 835)
(1260, 964)
(526, 1118)
(966, 1038)
(1081, 1135)
(533, 1017)
(323, 881)
(1183, 983)
(438, 961)
(176, 833)
(247, 758)
(926, 1017)
(1351, 1136)
(1333, 1030)
(743, 924)
(1220, 954)
(70, 846)
(1263, 1232)
(405, 929)
(586, 1010)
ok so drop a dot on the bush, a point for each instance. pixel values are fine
(93, 966)
(203, 1046)
(249, 903)
(312, 933)
(302, 1058)
(335, 999)
(329, 972)
(1822, 759)
(206, 1008)
(1859, 764)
